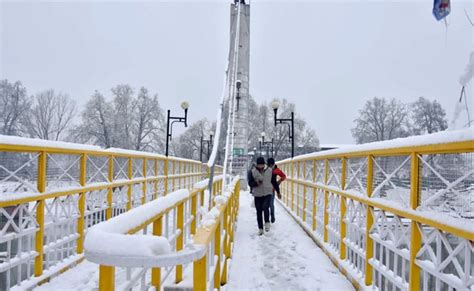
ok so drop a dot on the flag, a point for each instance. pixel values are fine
(441, 9)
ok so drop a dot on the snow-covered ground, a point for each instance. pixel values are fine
(283, 259)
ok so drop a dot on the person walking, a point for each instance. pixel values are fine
(262, 193)
(276, 172)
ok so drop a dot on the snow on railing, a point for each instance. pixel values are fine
(114, 243)
(51, 193)
(394, 215)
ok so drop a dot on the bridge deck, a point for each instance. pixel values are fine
(283, 259)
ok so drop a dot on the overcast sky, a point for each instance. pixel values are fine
(328, 57)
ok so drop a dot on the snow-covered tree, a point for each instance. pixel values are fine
(51, 115)
(149, 125)
(428, 116)
(14, 106)
(381, 119)
(97, 123)
(126, 121)
(124, 107)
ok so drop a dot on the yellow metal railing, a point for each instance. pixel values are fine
(51, 193)
(209, 250)
(390, 216)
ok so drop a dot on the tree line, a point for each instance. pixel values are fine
(384, 119)
(134, 119)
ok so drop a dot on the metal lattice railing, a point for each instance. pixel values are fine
(193, 241)
(50, 196)
(394, 218)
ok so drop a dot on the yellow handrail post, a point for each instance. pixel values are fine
(217, 253)
(173, 179)
(194, 212)
(180, 168)
(110, 191)
(130, 187)
(415, 242)
(292, 186)
(166, 182)
(156, 272)
(81, 204)
(106, 278)
(314, 212)
(369, 249)
(232, 215)
(155, 183)
(39, 236)
(326, 200)
(180, 240)
(202, 199)
(144, 182)
(304, 203)
(227, 218)
(200, 274)
(298, 196)
(342, 246)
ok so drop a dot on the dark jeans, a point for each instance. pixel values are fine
(262, 204)
(272, 208)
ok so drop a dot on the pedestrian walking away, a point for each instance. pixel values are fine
(262, 193)
(276, 172)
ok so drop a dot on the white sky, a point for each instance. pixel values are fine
(328, 57)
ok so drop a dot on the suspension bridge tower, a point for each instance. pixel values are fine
(239, 61)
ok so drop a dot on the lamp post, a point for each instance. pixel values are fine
(209, 144)
(265, 143)
(169, 128)
(238, 84)
(289, 121)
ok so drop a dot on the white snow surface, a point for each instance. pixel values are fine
(285, 258)
(109, 239)
(412, 141)
(35, 142)
(205, 182)
(83, 277)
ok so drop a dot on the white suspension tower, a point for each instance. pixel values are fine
(236, 159)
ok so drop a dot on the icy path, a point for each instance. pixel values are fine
(283, 259)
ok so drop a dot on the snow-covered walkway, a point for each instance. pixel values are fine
(283, 259)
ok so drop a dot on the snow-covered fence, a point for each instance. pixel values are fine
(396, 215)
(51, 193)
(179, 237)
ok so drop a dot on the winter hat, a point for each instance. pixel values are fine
(260, 161)
(270, 161)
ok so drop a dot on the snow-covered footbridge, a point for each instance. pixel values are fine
(395, 215)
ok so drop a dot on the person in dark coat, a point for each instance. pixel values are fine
(262, 193)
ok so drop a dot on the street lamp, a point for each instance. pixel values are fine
(169, 129)
(209, 144)
(264, 143)
(238, 84)
(289, 121)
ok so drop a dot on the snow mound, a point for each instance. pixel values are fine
(109, 242)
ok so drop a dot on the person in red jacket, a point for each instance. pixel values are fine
(276, 172)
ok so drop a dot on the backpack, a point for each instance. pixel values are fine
(251, 180)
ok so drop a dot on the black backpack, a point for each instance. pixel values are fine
(251, 180)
